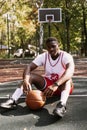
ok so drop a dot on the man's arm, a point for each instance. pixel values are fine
(67, 75)
(26, 76)
(27, 70)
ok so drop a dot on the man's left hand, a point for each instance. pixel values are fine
(50, 91)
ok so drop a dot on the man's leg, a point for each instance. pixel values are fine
(65, 92)
(35, 79)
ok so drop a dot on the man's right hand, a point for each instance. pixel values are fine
(26, 86)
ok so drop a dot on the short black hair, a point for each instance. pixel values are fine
(50, 39)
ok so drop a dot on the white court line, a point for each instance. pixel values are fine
(23, 97)
(83, 95)
(6, 97)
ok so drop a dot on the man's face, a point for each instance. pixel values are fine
(52, 48)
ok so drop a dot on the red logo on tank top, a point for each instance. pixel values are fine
(54, 77)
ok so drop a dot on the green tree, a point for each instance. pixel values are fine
(25, 28)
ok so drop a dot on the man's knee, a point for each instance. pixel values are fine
(65, 85)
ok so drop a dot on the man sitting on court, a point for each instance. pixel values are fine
(59, 69)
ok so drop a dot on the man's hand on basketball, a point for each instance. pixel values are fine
(26, 86)
(50, 91)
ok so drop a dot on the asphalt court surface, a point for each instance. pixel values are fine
(22, 118)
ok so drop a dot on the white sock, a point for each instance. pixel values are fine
(17, 94)
(64, 97)
(65, 93)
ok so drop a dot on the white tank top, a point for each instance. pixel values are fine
(54, 69)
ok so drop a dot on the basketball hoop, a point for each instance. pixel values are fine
(49, 15)
(49, 18)
(46, 15)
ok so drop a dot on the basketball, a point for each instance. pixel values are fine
(35, 99)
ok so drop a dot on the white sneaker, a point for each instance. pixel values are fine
(60, 110)
(10, 103)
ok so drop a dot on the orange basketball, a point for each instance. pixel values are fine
(35, 99)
